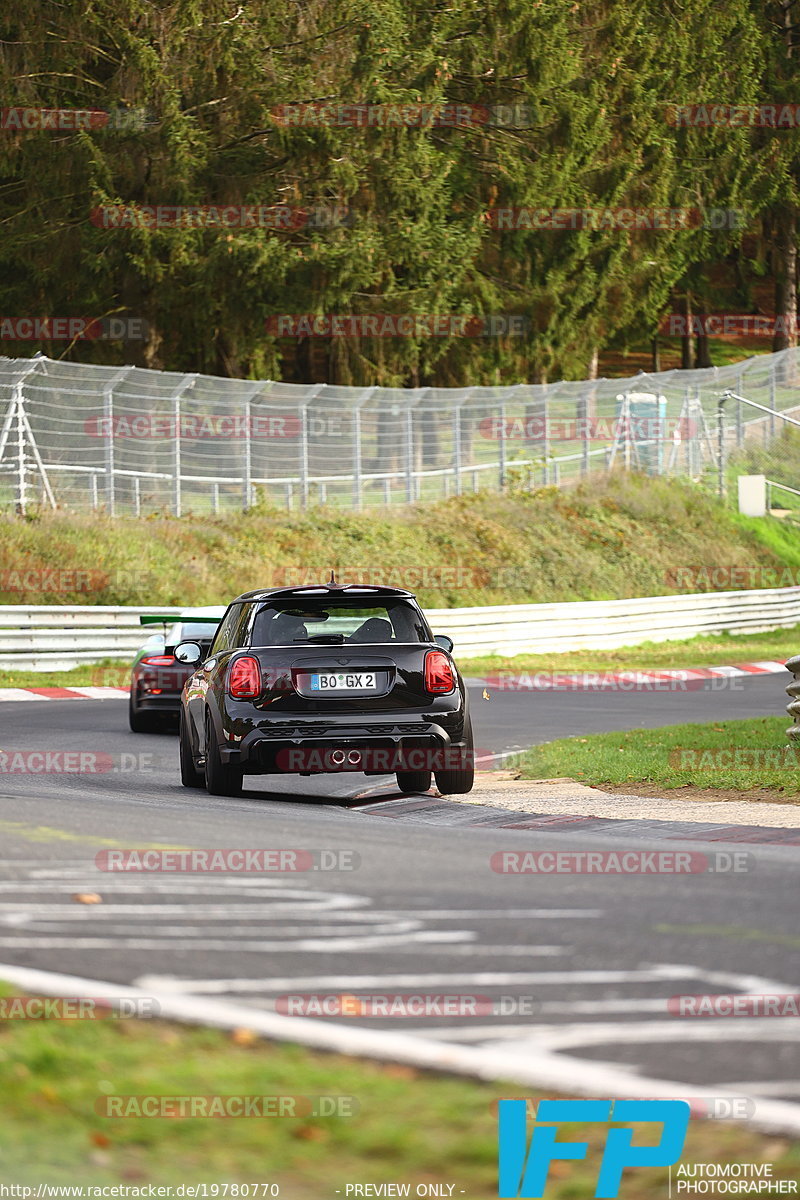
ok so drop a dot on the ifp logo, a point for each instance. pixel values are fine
(524, 1174)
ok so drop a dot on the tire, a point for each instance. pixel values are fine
(221, 779)
(413, 781)
(139, 722)
(460, 779)
(190, 776)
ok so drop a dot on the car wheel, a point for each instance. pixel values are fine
(221, 778)
(413, 781)
(459, 779)
(139, 722)
(190, 776)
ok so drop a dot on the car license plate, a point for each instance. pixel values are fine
(346, 682)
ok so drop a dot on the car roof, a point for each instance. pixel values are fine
(328, 591)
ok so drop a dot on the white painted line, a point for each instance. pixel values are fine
(19, 694)
(290, 983)
(439, 979)
(320, 945)
(530, 1065)
(102, 693)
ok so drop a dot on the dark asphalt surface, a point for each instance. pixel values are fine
(593, 959)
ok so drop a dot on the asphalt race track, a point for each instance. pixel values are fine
(586, 964)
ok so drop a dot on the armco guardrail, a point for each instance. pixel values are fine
(42, 638)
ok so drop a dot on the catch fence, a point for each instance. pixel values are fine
(133, 441)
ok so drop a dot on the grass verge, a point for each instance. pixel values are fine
(616, 535)
(725, 756)
(411, 1127)
(722, 649)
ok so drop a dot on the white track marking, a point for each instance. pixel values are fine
(786, 1087)
(287, 983)
(529, 1065)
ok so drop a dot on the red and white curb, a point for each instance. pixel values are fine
(539, 681)
(62, 693)
(548, 681)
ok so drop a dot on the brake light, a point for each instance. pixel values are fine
(244, 680)
(159, 660)
(439, 677)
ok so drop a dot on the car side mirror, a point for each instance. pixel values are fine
(445, 642)
(188, 652)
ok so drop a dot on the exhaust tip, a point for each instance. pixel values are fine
(337, 756)
(354, 758)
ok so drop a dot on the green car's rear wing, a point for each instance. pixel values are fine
(173, 618)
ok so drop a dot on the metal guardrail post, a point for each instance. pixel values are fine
(793, 691)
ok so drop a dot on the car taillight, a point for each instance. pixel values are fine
(244, 680)
(159, 660)
(439, 677)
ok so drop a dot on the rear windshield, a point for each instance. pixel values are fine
(293, 622)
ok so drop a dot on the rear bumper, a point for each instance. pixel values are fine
(382, 748)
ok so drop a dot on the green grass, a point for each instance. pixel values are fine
(410, 1127)
(722, 649)
(611, 536)
(677, 756)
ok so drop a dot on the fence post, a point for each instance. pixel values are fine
(585, 460)
(502, 448)
(21, 481)
(357, 448)
(546, 442)
(457, 447)
(185, 384)
(772, 401)
(108, 421)
(409, 454)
